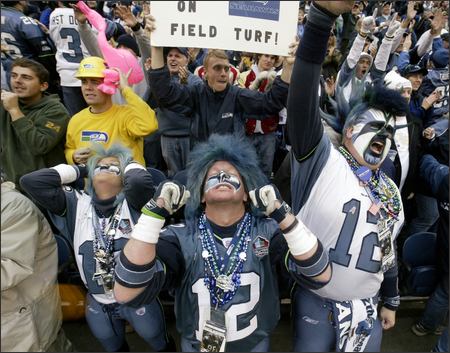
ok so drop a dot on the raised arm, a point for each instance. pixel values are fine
(141, 120)
(138, 185)
(384, 51)
(166, 92)
(138, 266)
(345, 73)
(87, 34)
(262, 105)
(410, 15)
(44, 186)
(305, 127)
(142, 40)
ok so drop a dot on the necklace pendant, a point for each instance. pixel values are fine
(225, 283)
(100, 255)
(375, 207)
(364, 174)
(111, 232)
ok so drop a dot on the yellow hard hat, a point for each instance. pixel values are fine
(92, 66)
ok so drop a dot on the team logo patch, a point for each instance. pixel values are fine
(94, 136)
(261, 246)
(227, 115)
(125, 226)
(267, 10)
(53, 126)
(140, 311)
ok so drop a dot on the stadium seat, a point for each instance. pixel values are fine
(419, 258)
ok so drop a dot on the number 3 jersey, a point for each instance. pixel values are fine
(70, 50)
(254, 310)
(328, 198)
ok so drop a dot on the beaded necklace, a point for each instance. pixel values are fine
(104, 233)
(382, 189)
(223, 275)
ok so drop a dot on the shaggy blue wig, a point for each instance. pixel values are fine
(376, 96)
(122, 153)
(230, 148)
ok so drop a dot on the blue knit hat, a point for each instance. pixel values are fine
(440, 58)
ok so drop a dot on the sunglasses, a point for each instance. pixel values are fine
(107, 168)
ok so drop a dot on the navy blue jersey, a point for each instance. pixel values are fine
(437, 79)
(254, 310)
(250, 315)
(23, 36)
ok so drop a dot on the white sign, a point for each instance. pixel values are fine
(266, 27)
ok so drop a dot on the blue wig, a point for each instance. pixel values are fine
(230, 148)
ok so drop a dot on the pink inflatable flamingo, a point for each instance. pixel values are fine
(114, 57)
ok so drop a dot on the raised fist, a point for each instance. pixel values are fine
(268, 200)
(394, 25)
(368, 25)
(168, 198)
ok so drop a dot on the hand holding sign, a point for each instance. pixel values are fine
(290, 59)
(149, 23)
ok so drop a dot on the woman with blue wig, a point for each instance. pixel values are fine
(99, 222)
(221, 262)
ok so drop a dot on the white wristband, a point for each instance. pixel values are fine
(67, 173)
(147, 229)
(133, 165)
(300, 239)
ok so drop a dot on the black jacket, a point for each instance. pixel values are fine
(217, 112)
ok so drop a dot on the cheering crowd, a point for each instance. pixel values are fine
(224, 180)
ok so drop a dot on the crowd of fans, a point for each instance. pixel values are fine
(82, 143)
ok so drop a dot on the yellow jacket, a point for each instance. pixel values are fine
(127, 124)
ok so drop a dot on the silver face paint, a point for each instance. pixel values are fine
(372, 136)
(222, 178)
(107, 168)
